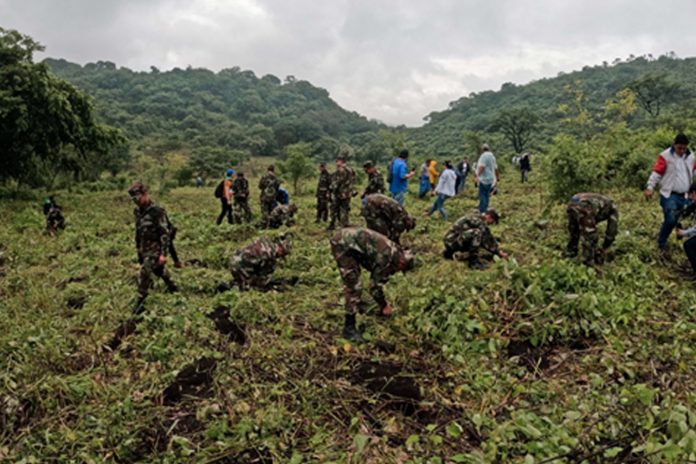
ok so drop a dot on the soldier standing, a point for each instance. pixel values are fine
(341, 193)
(375, 181)
(152, 237)
(268, 187)
(357, 247)
(253, 265)
(323, 194)
(585, 210)
(386, 216)
(240, 190)
(469, 234)
(282, 215)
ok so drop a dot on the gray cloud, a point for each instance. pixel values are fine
(393, 60)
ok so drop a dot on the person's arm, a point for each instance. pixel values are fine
(658, 171)
(612, 230)
(162, 223)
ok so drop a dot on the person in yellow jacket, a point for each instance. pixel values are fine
(432, 176)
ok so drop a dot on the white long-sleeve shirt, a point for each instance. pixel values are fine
(445, 186)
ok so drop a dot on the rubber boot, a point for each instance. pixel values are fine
(171, 286)
(350, 332)
(448, 253)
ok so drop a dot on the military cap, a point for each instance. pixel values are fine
(367, 164)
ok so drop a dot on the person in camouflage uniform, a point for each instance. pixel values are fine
(323, 194)
(356, 247)
(253, 265)
(386, 216)
(240, 191)
(54, 216)
(152, 236)
(469, 234)
(585, 211)
(282, 215)
(341, 193)
(375, 181)
(268, 187)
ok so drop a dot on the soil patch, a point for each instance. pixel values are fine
(401, 392)
(124, 330)
(226, 326)
(196, 379)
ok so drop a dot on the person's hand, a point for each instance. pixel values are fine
(648, 193)
(503, 255)
(162, 260)
(680, 233)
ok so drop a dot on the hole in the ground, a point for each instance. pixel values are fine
(196, 379)
(226, 326)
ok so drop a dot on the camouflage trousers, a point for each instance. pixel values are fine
(54, 221)
(148, 267)
(245, 278)
(582, 228)
(340, 210)
(349, 268)
(322, 209)
(241, 212)
(266, 208)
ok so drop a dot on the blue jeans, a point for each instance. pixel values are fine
(399, 197)
(423, 186)
(484, 196)
(438, 205)
(670, 208)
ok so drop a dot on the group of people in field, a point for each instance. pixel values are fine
(377, 247)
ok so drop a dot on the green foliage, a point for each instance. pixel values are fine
(517, 126)
(46, 125)
(297, 165)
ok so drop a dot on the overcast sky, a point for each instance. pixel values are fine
(392, 60)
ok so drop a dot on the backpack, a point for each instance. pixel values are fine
(390, 172)
(219, 189)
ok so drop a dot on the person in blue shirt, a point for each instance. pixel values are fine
(399, 177)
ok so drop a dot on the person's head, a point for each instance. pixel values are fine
(229, 172)
(491, 216)
(427, 162)
(485, 147)
(407, 261)
(292, 208)
(448, 165)
(138, 192)
(681, 144)
(403, 154)
(240, 175)
(322, 167)
(369, 167)
(692, 192)
(410, 222)
(271, 168)
(283, 245)
(341, 160)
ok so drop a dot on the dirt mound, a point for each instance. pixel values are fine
(124, 330)
(196, 379)
(386, 379)
(226, 326)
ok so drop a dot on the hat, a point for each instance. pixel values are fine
(138, 188)
(494, 214)
(367, 164)
(229, 172)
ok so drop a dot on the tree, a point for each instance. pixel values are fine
(298, 164)
(653, 91)
(517, 125)
(46, 124)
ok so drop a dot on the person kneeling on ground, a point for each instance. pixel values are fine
(469, 234)
(585, 211)
(690, 233)
(386, 216)
(282, 215)
(253, 265)
(54, 216)
(356, 247)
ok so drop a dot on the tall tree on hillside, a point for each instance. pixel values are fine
(298, 165)
(517, 125)
(653, 91)
(46, 124)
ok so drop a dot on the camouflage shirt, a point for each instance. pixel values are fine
(151, 230)
(601, 208)
(269, 185)
(240, 187)
(374, 251)
(469, 234)
(380, 209)
(282, 214)
(324, 185)
(342, 182)
(375, 183)
(256, 261)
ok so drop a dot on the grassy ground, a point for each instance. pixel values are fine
(535, 358)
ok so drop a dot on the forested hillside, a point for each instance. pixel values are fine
(230, 115)
(664, 91)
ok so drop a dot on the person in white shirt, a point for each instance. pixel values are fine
(674, 172)
(445, 189)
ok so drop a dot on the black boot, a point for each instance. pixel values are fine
(350, 332)
(171, 286)
(474, 263)
(448, 253)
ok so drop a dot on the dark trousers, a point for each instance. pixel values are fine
(226, 210)
(690, 249)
